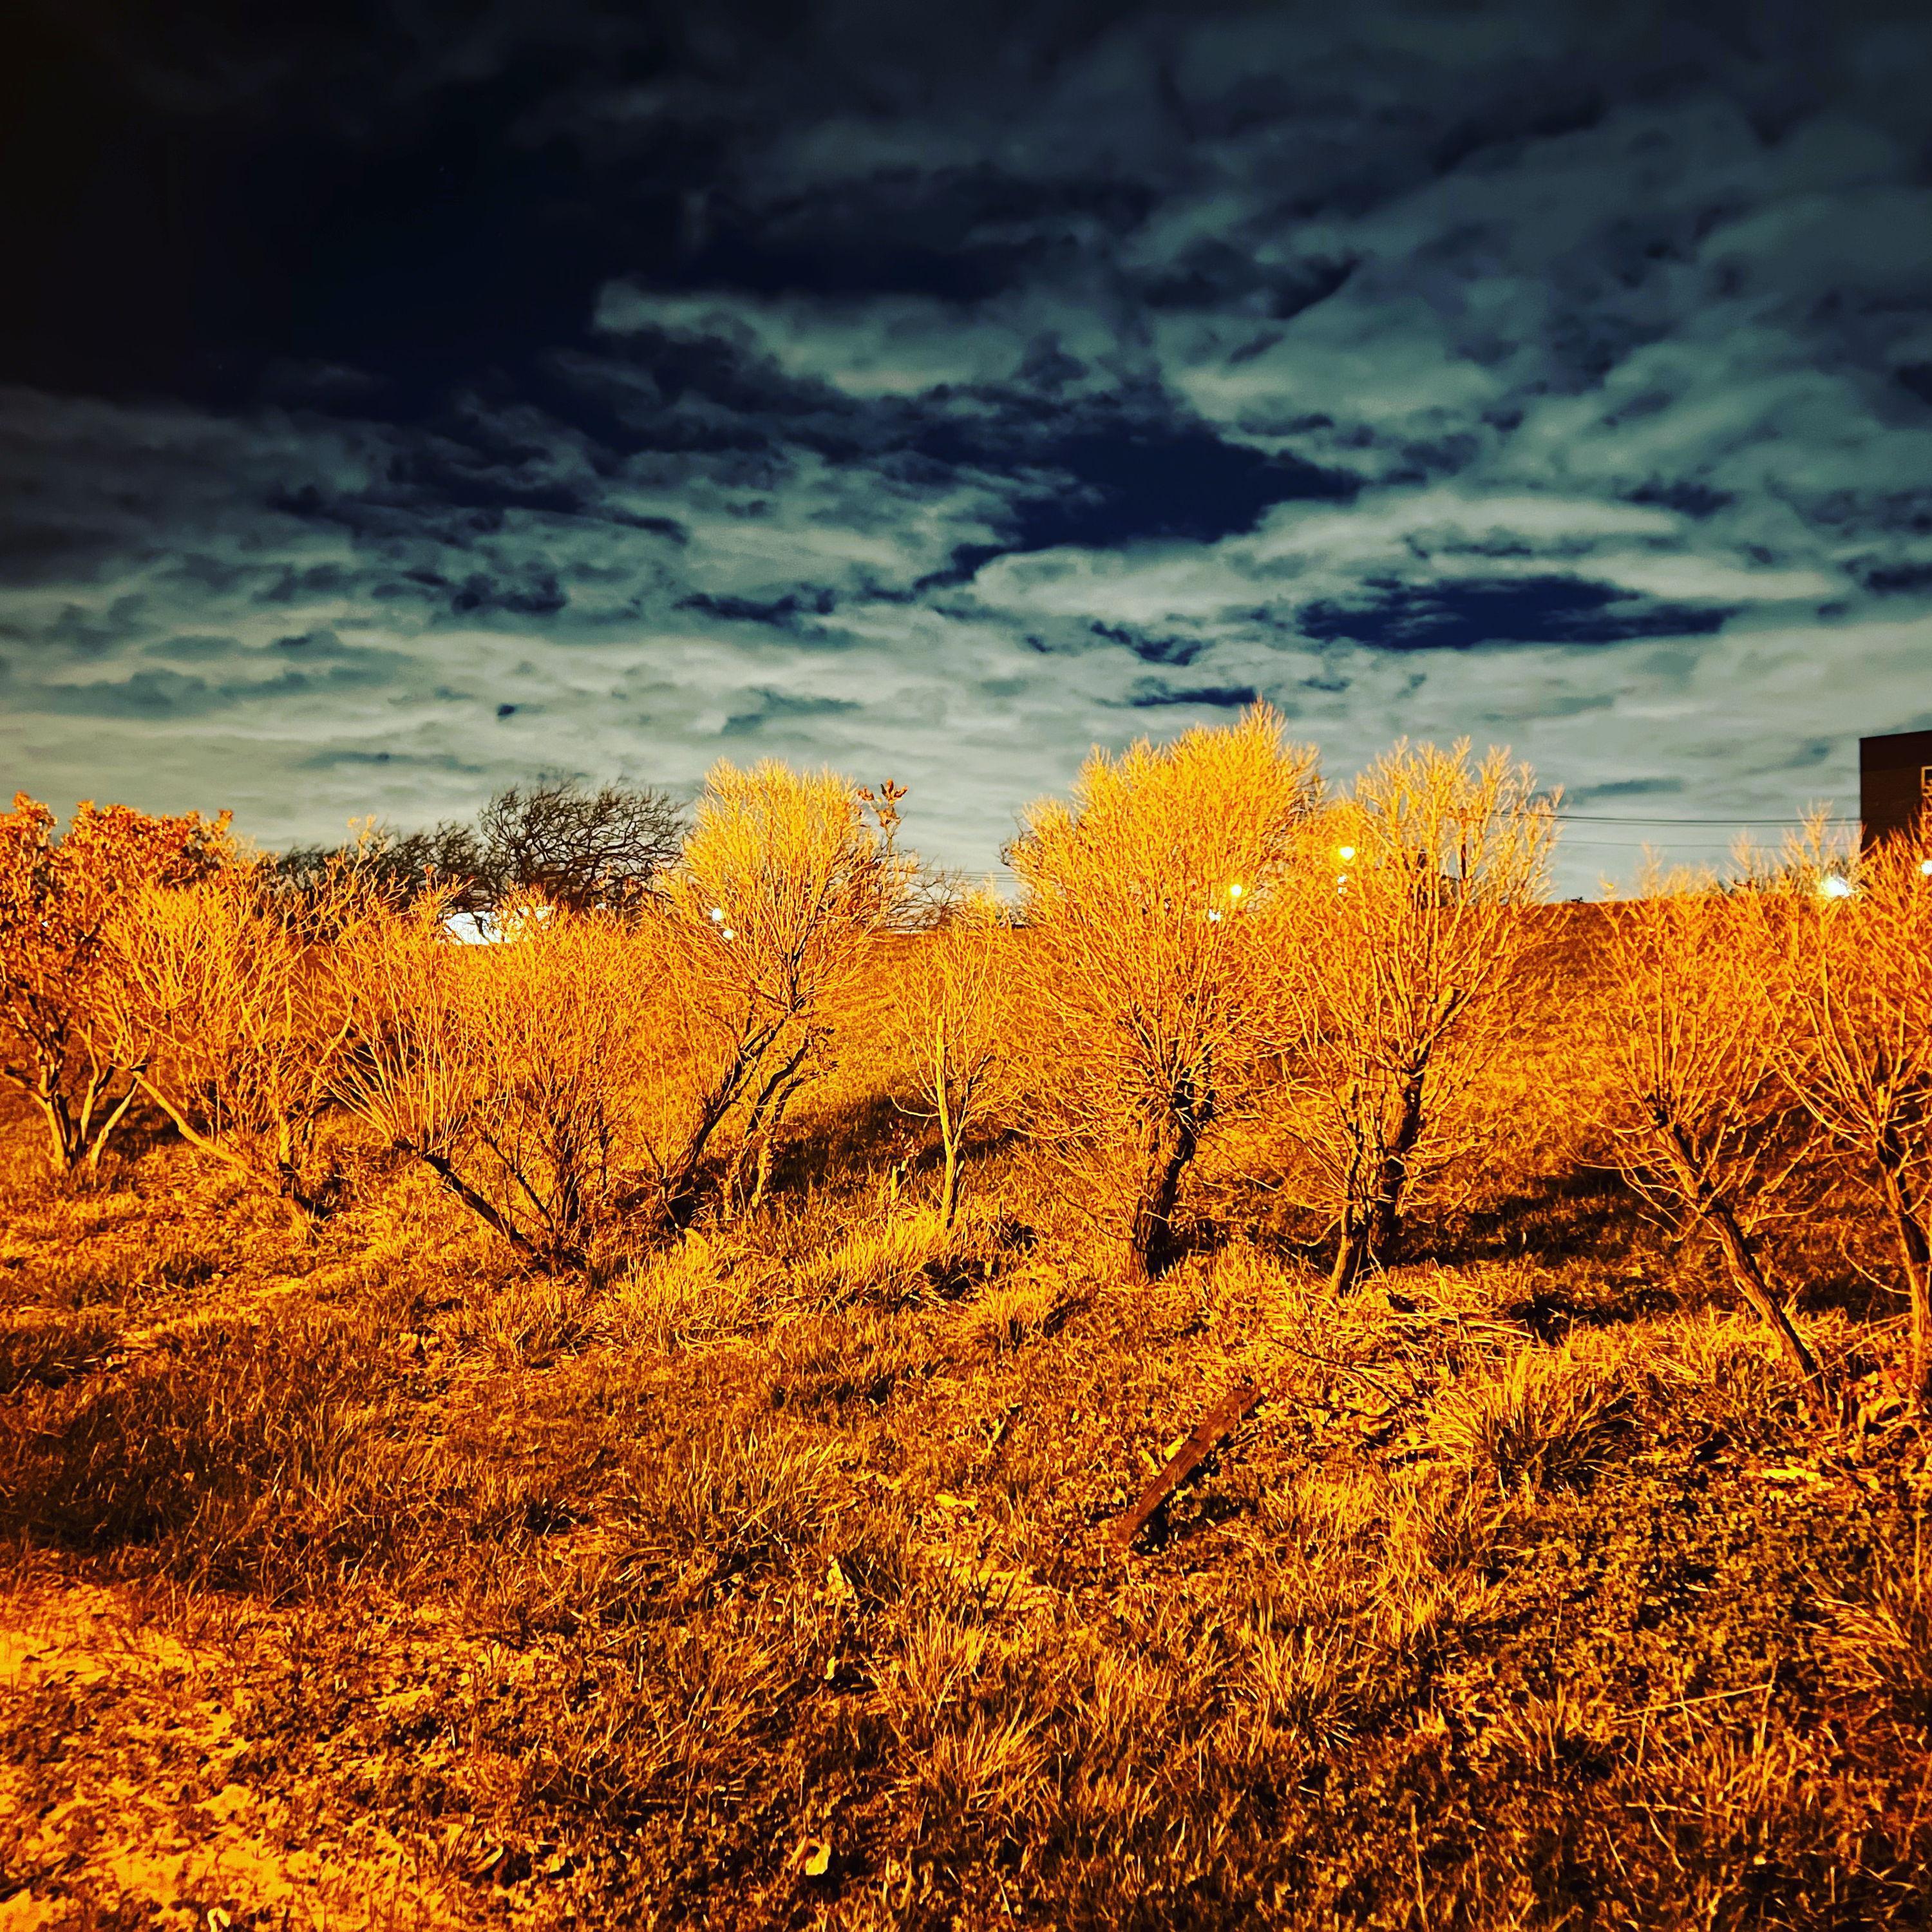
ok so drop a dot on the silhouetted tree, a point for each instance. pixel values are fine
(401, 866)
(586, 850)
(583, 850)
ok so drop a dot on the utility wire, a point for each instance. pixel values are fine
(1606, 818)
(1635, 845)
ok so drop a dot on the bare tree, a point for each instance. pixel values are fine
(513, 1071)
(1151, 910)
(780, 887)
(62, 1038)
(582, 849)
(241, 1029)
(1417, 885)
(448, 860)
(1851, 941)
(955, 1014)
(1709, 1131)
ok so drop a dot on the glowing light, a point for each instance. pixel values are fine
(718, 913)
(1214, 916)
(1345, 853)
(1235, 891)
(725, 932)
(1832, 887)
(1925, 868)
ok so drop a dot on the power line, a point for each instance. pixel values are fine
(1607, 818)
(1636, 845)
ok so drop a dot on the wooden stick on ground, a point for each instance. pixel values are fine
(1230, 1410)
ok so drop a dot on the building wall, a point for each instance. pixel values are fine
(1894, 782)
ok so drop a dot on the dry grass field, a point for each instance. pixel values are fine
(368, 1570)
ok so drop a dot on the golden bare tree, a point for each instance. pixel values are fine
(1710, 1131)
(239, 1027)
(955, 1015)
(1152, 910)
(1416, 886)
(515, 1071)
(770, 908)
(1852, 941)
(62, 1038)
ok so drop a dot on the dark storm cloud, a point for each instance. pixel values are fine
(1459, 615)
(409, 399)
(1149, 694)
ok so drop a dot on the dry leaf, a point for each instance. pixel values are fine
(818, 1862)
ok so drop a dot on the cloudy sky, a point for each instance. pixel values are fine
(397, 400)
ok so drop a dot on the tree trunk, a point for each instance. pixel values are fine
(1915, 1254)
(1176, 1137)
(1351, 1253)
(1392, 1175)
(680, 1191)
(98, 1144)
(1370, 1232)
(949, 1182)
(1707, 1202)
(60, 1137)
(768, 1141)
(760, 1124)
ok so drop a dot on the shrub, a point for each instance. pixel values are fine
(61, 901)
(1707, 1129)
(771, 906)
(1549, 1418)
(1854, 991)
(242, 1027)
(1153, 906)
(515, 1073)
(1414, 888)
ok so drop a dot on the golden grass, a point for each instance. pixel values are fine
(372, 1572)
(368, 1579)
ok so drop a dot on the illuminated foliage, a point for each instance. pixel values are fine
(234, 993)
(1414, 888)
(780, 886)
(1708, 1130)
(62, 897)
(1153, 911)
(957, 1021)
(1852, 973)
(515, 1072)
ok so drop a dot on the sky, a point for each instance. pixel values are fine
(398, 401)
